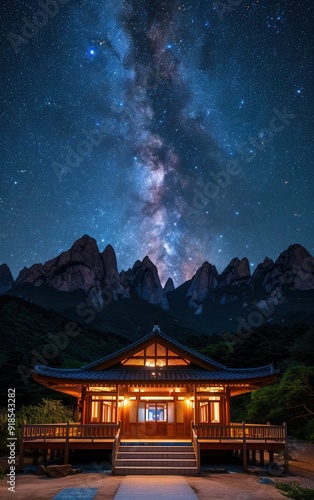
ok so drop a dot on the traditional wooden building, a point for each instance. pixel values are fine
(158, 389)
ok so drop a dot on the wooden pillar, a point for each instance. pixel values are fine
(83, 417)
(227, 406)
(77, 419)
(286, 453)
(195, 420)
(261, 457)
(45, 455)
(35, 457)
(21, 455)
(244, 447)
(118, 418)
(66, 447)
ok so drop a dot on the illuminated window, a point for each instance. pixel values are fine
(155, 355)
(156, 412)
(209, 411)
(103, 409)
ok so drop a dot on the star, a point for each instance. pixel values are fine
(146, 124)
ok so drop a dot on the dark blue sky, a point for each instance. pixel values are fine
(182, 130)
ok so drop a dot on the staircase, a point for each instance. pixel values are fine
(164, 458)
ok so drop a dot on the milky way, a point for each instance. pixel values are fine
(176, 129)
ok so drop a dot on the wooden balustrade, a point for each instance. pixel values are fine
(44, 432)
(240, 431)
(197, 450)
(115, 449)
(242, 436)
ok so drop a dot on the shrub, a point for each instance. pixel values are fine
(49, 411)
(295, 491)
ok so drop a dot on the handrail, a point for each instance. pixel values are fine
(196, 447)
(258, 432)
(68, 431)
(115, 448)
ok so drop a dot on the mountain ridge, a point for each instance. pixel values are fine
(83, 267)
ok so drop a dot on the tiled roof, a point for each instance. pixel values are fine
(161, 375)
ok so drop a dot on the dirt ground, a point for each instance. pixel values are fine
(236, 486)
(213, 486)
(302, 455)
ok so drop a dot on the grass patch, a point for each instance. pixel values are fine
(295, 491)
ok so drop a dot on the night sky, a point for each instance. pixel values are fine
(182, 130)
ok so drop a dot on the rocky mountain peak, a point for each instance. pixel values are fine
(296, 266)
(85, 251)
(294, 255)
(146, 283)
(109, 260)
(84, 267)
(236, 271)
(205, 280)
(262, 269)
(148, 263)
(169, 286)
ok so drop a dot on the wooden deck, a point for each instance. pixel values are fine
(242, 438)
(65, 437)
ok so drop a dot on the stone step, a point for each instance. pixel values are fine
(156, 458)
(168, 444)
(179, 449)
(155, 454)
(155, 462)
(173, 471)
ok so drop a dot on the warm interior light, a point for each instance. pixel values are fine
(156, 398)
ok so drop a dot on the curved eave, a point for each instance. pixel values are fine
(57, 379)
(69, 387)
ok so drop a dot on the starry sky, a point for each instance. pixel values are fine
(182, 130)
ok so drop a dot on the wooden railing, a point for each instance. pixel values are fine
(44, 432)
(242, 435)
(115, 449)
(196, 447)
(240, 432)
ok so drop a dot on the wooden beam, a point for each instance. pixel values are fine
(83, 400)
(261, 457)
(244, 447)
(286, 453)
(66, 447)
(21, 455)
(117, 406)
(227, 421)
